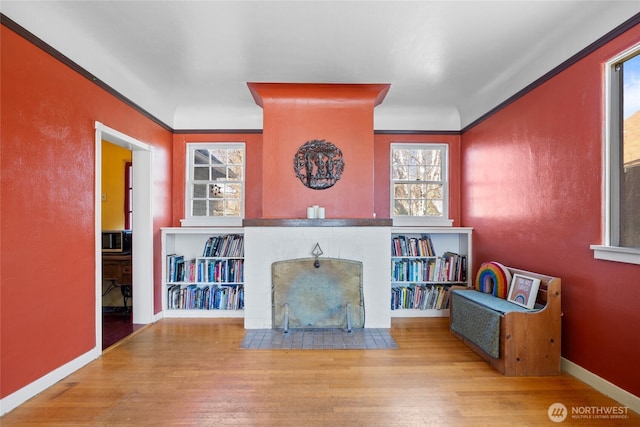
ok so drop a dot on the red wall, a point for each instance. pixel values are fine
(382, 165)
(530, 181)
(338, 113)
(255, 157)
(532, 190)
(253, 178)
(47, 163)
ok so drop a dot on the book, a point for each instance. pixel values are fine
(207, 297)
(523, 290)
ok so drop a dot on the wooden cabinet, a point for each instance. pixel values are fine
(116, 272)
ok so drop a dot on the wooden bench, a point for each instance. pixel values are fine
(529, 340)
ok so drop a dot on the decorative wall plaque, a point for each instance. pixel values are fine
(318, 164)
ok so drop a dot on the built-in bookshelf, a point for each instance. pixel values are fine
(425, 263)
(203, 272)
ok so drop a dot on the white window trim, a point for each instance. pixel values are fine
(419, 220)
(209, 222)
(223, 221)
(616, 253)
(606, 250)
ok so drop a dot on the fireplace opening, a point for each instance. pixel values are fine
(308, 295)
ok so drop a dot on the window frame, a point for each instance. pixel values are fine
(610, 249)
(128, 195)
(190, 220)
(426, 221)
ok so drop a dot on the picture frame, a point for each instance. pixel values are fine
(523, 290)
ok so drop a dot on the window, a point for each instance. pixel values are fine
(215, 184)
(419, 187)
(622, 161)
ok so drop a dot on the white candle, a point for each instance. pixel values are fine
(320, 212)
(311, 212)
(315, 211)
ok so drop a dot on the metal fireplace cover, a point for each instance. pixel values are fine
(317, 297)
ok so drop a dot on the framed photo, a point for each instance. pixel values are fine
(523, 290)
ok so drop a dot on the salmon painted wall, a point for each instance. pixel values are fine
(253, 161)
(254, 183)
(296, 113)
(382, 166)
(48, 250)
(532, 190)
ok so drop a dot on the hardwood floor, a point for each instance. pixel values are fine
(192, 372)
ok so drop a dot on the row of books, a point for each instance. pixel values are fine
(204, 270)
(420, 297)
(412, 246)
(228, 245)
(220, 271)
(208, 297)
(450, 267)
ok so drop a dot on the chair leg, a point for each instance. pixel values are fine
(126, 294)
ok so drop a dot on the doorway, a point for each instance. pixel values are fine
(141, 221)
(117, 233)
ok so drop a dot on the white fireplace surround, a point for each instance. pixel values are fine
(265, 245)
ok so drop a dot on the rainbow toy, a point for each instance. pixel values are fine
(493, 278)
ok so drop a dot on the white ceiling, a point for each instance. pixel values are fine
(448, 63)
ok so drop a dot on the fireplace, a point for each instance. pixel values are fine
(295, 114)
(317, 293)
(363, 241)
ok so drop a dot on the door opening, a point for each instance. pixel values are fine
(141, 222)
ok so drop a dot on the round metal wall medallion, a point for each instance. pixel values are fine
(318, 164)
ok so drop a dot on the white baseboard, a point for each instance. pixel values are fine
(603, 386)
(18, 397)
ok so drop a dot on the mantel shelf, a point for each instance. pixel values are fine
(331, 222)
